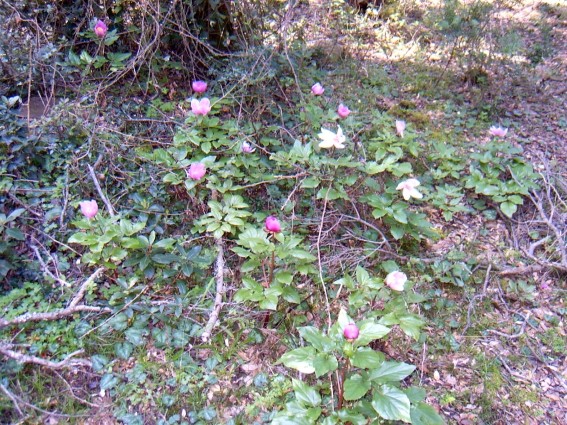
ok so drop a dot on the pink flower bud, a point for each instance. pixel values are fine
(498, 131)
(196, 171)
(396, 280)
(273, 225)
(317, 89)
(343, 111)
(246, 147)
(351, 332)
(201, 107)
(100, 29)
(199, 86)
(89, 208)
(400, 127)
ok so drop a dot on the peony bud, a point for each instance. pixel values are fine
(196, 171)
(273, 225)
(317, 89)
(351, 332)
(199, 86)
(100, 29)
(343, 111)
(89, 208)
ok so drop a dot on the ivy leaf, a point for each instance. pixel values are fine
(123, 350)
(356, 387)
(392, 404)
(300, 359)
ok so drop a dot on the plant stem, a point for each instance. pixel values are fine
(269, 283)
(341, 383)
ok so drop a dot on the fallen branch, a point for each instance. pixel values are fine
(74, 307)
(516, 335)
(479, 296)
(100, 192)
(521, 270)
(219, 277)
(68, 361)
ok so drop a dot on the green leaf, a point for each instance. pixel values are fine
(415, 394)
(411, 325)
(310, 183)
(123, 350)
(165, 258)
(367, 358)
(284, 277)
(362, 276)
(324, 363)
(305, 394)
(108, 381)
(391, 372)
(392, 404)
(300, 359)
(397, 232)
(291, 295)
(370, 331)
(356, 387)
(508, 208)
(316, 338)
(271, 298)
(99, 362)
(423, 414)
(135, 336)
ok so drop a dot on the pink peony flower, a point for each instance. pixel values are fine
(201, 107)
(89, 208)
(317, 89)
(199, 86)
(400, 127)
(100, 29)
(343, 111)
(332, 140)
(408, 188)
(498, 131)
(273, 225)
(246, 147)
(396, 280)
(351, 332)
(196, 171)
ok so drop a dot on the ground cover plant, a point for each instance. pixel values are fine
(282, 212)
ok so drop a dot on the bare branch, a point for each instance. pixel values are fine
(68, 361)
(100, 192)
(219, 277)
(74, 307)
